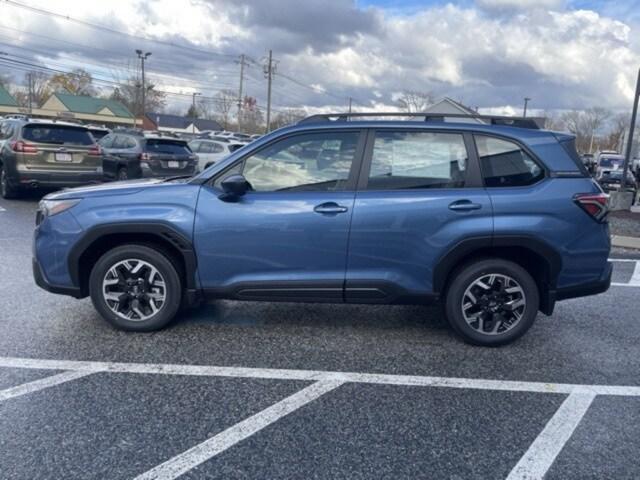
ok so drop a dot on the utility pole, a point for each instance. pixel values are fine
(269, 70)
(242, 62)
(526, 101)
(193, 112)
(30, 95)
(143, 57)
(632, 128)
(350, 102)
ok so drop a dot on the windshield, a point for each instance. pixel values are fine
(57, 134)
(171, 147)
(609, 161)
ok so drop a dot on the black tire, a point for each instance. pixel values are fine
(478, 333)
(7, 190)
(122, 174)
(167, 272)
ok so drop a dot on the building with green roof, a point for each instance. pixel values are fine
(8, 104)
(86, 108)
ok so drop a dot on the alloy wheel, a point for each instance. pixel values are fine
(493, 304)
(134, 290)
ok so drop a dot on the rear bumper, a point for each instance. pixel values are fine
(36, 178)
(43, 283)
(600, 285)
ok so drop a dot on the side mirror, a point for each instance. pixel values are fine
(234, 186)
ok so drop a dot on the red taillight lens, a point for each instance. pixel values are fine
(595, 204)
(23, 147)
(95, 151)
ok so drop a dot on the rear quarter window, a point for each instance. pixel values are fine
(506, 164)
(57, 134)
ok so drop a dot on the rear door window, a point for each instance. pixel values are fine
(505, 163)
(171, 147)
(57, 134)
(411, 160)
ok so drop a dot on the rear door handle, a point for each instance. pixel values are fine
(464, 206)
(330, 208)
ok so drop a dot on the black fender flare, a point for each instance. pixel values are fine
(453, 256)
(164, 232)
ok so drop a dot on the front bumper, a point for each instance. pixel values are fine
(43, 283)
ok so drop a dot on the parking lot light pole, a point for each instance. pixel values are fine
(193, 112)
(142, 57)
(632, 128)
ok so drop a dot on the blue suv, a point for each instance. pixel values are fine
(491, 215)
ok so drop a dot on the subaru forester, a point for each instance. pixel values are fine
(494, 217)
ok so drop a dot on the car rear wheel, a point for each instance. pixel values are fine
(492, 302)
(135, 287)
(6, 189)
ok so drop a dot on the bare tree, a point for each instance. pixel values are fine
(224, 102)
(129, 91)
(554, 122)
(287, 116)
(586, 125)
(77, 82)
(40, 90)
(252, 120)
(618, 125)
(414, 101)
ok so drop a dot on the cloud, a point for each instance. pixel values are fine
(559, 56)
(520, 4)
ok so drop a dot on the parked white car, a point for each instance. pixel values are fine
(212, 151)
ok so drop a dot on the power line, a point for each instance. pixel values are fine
(105, 28)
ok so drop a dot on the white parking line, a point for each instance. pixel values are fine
(635, 277)
(42, 384)
(217, 444)
(320, 375)
(546, 447)
(2, 209)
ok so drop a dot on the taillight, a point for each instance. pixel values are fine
(95, 151)
(595, 204)
(23, 147)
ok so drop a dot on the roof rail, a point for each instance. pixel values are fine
(534, 123)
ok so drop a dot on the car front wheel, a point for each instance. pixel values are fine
(492, 302)
(135, 287)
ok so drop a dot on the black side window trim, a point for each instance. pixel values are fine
(350, 185)
(533, 156)
(473, 175)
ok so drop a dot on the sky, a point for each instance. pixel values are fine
(563, 54)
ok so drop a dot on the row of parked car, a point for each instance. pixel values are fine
(51, 154)
(607, 168)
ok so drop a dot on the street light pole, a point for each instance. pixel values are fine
(632, 128)
(526, 102)
(193, 112)
(143, 56)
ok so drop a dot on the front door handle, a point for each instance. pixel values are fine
(464, 206)
(330, 208)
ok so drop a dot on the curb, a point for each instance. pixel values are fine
(625, 242)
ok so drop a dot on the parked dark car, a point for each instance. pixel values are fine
(135, 155)
(43, 153)
(611, 181)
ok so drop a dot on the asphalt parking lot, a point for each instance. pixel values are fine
(259, 390)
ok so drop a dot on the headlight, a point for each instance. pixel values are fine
(53, 207)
